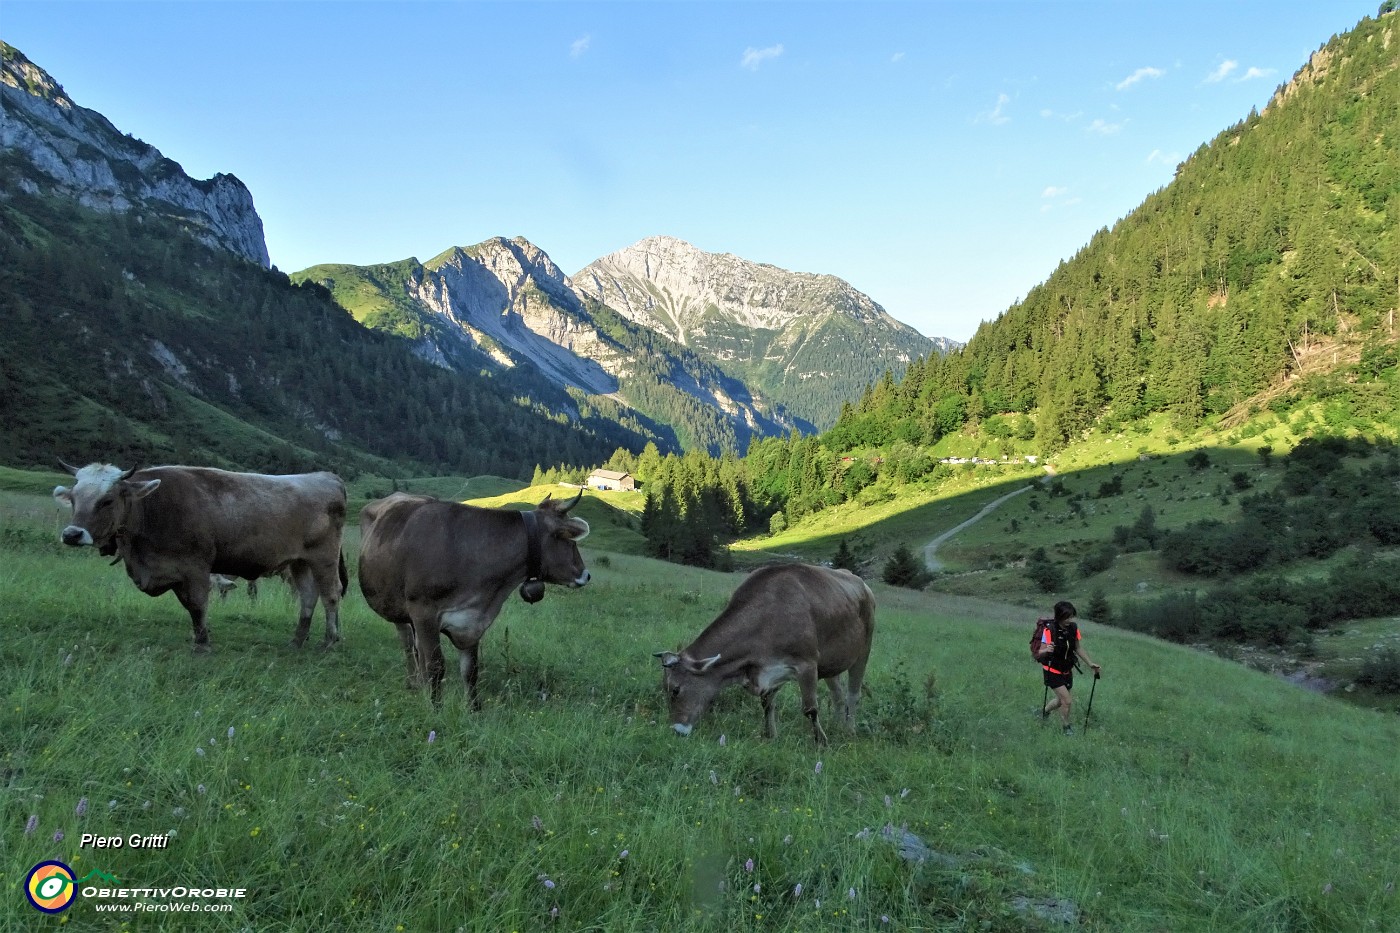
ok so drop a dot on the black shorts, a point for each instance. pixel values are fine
(1053, 680)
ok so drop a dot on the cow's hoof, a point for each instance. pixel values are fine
(203, 648)
(296, 642)
(329, 643)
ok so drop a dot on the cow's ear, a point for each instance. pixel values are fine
(143, 489)
(575, 529)
(63, 494)
(700, 667)
(668, 658)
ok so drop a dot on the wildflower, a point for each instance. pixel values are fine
(146, 805)
(230, 733)
(851, 893)
(213, 741)
(623, 854)
(81, 809)
(199, 750)
(888, 802)
(32, 825)
(797, 889)
(536, 823)
(884, 918)
(714, 778)
(1327, 888)
(904, 793)
(201, 789)
(68, 660)
(432, 736)
(787, 840)
(549, 885)
(58, 835)
(112, 804)
(748, 865)
(721, 739)
(757, 888)
(554, 912)
(818, 768)
(178, 812)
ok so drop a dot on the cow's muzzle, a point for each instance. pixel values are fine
(681, 728)
(73, 536)
(582, 579)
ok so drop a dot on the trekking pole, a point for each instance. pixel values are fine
(1090, 709)
(1045, 698)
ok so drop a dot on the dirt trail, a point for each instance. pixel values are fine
(931, 561)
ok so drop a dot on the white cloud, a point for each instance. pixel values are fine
(1256, 73)
(1137, 76)
(995, 116)
(1104, 128)
(897, 57)
(1222, 72)
(755, 57)
(1163, 158)
(580, 45)
(1054, 191)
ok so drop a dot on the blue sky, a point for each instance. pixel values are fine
(942, 157)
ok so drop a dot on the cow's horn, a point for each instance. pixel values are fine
(668, 658)
(572, 502)
(127, 475)
(68, 466)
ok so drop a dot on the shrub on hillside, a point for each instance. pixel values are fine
(1044, 572)
(1174, 616)
(1381, 671)
(1097, 559)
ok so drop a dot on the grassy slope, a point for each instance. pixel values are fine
(1204, 796)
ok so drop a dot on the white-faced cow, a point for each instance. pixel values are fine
(434, 567)
(790, 622)
(175, 526)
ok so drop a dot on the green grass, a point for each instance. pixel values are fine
(1204, 796)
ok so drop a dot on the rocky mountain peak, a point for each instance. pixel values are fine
(77, 153)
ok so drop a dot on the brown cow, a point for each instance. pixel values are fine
(431, 566)
(789, 622)
(174, 526)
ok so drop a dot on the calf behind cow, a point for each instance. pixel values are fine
(175, 526)
(789, 622)
(431, 567)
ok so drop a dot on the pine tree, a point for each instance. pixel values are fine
(904, 569)
(844, 559)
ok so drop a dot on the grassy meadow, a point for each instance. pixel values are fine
(1203, 795)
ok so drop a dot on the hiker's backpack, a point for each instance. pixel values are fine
(1037, 638)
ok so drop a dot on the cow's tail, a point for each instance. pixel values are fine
(344, 576)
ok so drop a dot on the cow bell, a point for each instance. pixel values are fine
(532, 591)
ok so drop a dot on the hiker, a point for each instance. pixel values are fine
(1062, 645)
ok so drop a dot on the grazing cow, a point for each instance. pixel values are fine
(174, 526)
(789, 622)
(431, 567)
(223, 585)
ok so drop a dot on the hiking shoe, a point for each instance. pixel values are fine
(1037, 712)
(1069, 730)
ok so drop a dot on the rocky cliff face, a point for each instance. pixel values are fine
(512, 301)
(808, 341)
(74, 152)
